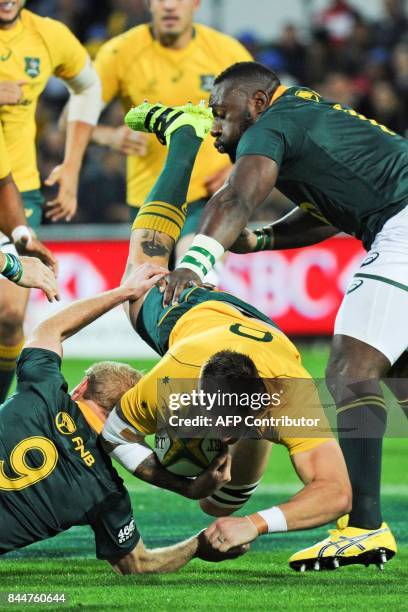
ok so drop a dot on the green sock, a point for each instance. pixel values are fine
(165, 207)
(361, 425)
(174, 180)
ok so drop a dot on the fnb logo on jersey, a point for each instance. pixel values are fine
(79, 446)
(65, 423)
(126, 532)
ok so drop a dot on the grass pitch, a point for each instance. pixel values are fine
(261, 580)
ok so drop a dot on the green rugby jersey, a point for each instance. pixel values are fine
(334, 163)
(53, 471)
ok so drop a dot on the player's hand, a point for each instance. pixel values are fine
(207, 552)
(214, 182)
(142, 279)
(176, 282)
(128, 142)
(11, 92)
(64, 206)
(35, 248)
(245, 243)
(228, 532)
(37, 275)
(214, 477)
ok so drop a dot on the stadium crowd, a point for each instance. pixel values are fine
(343, 55)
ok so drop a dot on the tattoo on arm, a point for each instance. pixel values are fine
(156, 244)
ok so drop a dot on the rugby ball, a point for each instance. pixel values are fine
(186, 456)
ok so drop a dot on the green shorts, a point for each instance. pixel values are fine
(194, 210)
(155, 323)
(34, 207)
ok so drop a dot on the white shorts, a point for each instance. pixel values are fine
(375, 307)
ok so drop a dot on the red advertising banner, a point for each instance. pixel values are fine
(300, 289)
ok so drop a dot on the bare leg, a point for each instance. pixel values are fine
(13, 306)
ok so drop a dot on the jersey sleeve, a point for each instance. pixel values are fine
(5, 167)
(260, 140)
(138, 405)
(68, 55)
(106, 64)
(40, 366)
(235, 52)
(301, 420)
(271, 136)
(114, 527)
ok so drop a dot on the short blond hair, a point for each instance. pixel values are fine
(108, 381)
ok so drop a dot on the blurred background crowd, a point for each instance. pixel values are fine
(340, 53)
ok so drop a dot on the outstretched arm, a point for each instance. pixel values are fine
(223, 219)
(170, 559)
(53, 331)
(325, 496)
(296, 229)
(84, 107)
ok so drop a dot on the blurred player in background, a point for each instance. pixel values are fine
(25, 271)
(172, 60)
(32, 50)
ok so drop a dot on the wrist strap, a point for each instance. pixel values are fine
(264, 239)
(20, 232)
(275, 519)
(202, 255)
(13, 269)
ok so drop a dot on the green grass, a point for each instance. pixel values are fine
(261, 580)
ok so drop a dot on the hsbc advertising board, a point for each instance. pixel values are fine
(300, 289)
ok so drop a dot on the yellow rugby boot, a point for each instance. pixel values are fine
(165, 120)
(347, 546)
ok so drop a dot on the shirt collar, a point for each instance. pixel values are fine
(278, 93)
(90, 417)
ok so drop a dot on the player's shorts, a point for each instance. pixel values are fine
(194, 210)
(155, 323)
(375, 307)
(33, 202)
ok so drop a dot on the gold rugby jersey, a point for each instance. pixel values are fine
(215, 326)
(135, 67)
(32, 51)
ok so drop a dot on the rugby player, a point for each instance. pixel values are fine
(209, 335)
(171, 59)
(345, 173)
(27, 271)
(33, 49)
(53, 471)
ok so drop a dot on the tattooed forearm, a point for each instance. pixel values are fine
(150, 470)
(156, 244)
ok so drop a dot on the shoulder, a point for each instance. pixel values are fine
(46, 26)
(130, 42)
(222, 43)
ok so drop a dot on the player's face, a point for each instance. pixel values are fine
(233, 114)
(9, 11)
(172, 18)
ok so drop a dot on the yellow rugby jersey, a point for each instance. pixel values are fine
(200, 333)
(32, 51)
(5, 168)
(135, 67)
